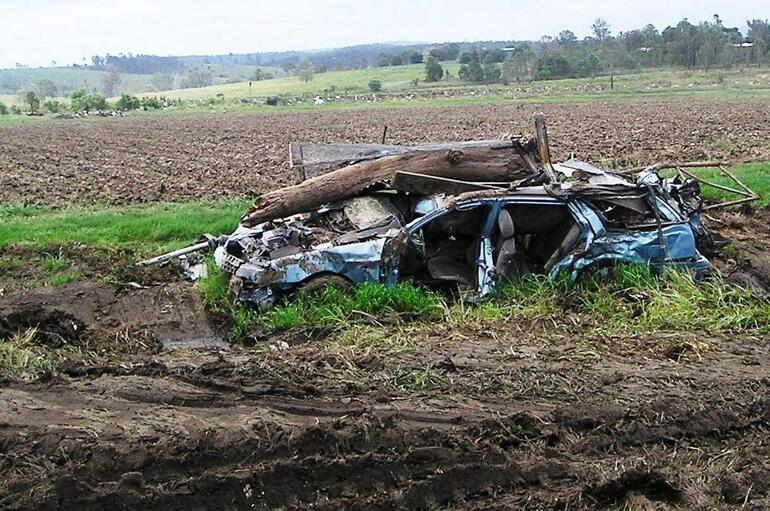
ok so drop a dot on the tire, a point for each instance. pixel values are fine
(318, 282)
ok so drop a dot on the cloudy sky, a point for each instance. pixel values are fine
(36, 32)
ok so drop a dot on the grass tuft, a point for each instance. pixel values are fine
(19, 358)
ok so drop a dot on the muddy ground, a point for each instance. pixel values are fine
(184, 158)
(545, 414)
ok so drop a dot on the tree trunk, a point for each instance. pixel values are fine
(484, 164)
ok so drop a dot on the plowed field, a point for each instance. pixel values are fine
(142, 159)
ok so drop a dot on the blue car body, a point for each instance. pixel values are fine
(377, 255)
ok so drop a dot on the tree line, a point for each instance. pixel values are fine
(705, 45)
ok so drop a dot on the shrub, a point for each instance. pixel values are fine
(151, 103)
(375, 85)
(128, 102)
(32, 101)
(15, 110)
(82, 102)
(3, 109)
(52, 106)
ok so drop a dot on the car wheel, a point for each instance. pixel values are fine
(318, 282)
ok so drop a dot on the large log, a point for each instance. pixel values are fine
(474, 164)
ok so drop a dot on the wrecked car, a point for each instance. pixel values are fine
(560, 218)
(469, 242)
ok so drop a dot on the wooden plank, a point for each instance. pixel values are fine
(422, 184)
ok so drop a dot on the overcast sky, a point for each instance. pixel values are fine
(36, 32)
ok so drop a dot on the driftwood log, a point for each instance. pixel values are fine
(475, 164)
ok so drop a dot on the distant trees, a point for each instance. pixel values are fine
(3, 109)
(445, 52)
(411, 57)
(474, 71)
(111, 80)
(162, 81)
(305, 70)
(46, 88)
(521, 67)
(261, 74)
(601, 29)
(197, 78)
(433, 70)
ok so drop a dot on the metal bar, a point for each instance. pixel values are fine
(731, 203)
(176, 253)
(718, 186)
(739, 182)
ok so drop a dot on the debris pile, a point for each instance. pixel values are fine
(454, 215)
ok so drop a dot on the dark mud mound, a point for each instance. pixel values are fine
(652, 484)
(119, 319)
(52, 328)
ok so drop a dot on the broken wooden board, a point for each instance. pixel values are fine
(316, 159)
(422, 184)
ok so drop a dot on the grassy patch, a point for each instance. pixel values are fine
(21, 359)
(328, 307)
(146, 229)
(630, 299)
(754, 175)
(334, 307)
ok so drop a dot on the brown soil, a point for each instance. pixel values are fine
(516, 419)
(185, 158)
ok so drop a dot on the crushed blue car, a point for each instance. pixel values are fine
(469, 241)
(562, 218)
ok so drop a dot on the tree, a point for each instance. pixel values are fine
(383, 60)
(472, 71)
(111, 80)
(3, 109)
(567, 38)
(411, 57)
(396, 60)
(433, 70)
(521, 67)
(46, 88)
(162, 81)
(305, 70)
(197, 78)
(375, 85)
(601, 29)
(491, 72)
(32, 101)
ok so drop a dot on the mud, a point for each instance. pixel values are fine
(130, 160)
(246, 430)
(121, 320)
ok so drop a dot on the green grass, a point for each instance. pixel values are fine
(145, 229)
(334, 307)
(329, 307)
(396, 78)
(629, 300)
(754, 175)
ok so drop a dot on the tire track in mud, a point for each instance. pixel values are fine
(171, 440)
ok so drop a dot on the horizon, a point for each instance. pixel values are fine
(174, 28)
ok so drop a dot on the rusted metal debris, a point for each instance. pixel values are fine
(458, 214)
